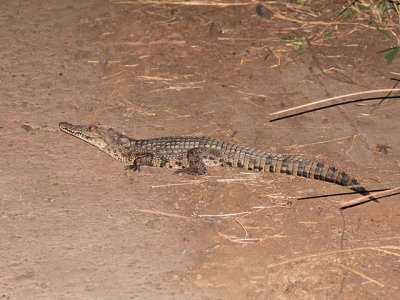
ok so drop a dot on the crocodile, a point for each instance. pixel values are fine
(192, 155)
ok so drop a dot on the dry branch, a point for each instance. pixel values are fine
(367, 198)
(188, 3)
(332, 99)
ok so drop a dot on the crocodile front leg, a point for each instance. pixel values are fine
(140, 159)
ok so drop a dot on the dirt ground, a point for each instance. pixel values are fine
(75, 224)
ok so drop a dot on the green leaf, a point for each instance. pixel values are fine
(327, 34)
(348, 13)
(300, 40)
(287, 37)
(391, 54)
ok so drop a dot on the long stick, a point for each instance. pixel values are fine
(194, 3)
(366, 198)
(333, 98)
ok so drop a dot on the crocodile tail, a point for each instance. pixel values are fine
(311, 169)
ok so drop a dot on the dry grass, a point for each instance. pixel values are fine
(382, 249)
(316, 28)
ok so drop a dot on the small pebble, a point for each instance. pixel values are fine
(264, 12)
(175, 277)
(27, 127)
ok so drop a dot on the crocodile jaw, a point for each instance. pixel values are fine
(108, 140)
(93, 134)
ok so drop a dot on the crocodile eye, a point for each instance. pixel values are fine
(91, 127)
(123, 140)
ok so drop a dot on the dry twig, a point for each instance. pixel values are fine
(164, 214)
(362, 275)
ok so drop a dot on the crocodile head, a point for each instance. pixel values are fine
(104, 138)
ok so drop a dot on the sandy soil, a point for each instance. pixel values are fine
(75, 225)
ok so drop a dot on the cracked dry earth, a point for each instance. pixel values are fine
(75, 225)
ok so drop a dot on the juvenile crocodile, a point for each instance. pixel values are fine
(194, 154)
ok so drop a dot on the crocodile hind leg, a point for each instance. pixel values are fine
(199, 158)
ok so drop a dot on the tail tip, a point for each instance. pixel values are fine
(355, 186)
